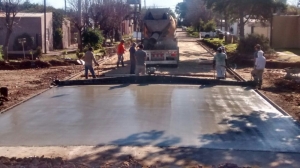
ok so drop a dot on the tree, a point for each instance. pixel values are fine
(243, 10)
(10, 8)
(196, 11)
(181, 10)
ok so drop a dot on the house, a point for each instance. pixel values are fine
(31, 26)
(252, 26)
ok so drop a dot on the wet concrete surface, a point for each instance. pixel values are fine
(220, 117)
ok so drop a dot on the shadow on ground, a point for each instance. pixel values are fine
(216, 149)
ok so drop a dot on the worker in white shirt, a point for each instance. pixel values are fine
(260, 64)
(220, 63)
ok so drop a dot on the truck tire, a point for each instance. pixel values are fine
(207, 36)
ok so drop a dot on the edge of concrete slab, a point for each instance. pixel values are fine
(153, 80)
(150, 155)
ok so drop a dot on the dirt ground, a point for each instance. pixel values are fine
(23, 84)
(284, 92)
(41, 162)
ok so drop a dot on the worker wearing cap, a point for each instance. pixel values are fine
(260, 64)
(220, 63)
(120, 52)
(89, 58)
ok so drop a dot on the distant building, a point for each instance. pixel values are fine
(32, 24)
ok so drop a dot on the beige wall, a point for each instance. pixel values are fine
(286, 33)
(32, 25)
(265, 31)
(29, 25)
(49, 27)
(66, 28)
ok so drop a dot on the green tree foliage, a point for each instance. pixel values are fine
(181, 9)
(58, 19)
(246, 45)
(1, 52)
(209, 26)
(92, 38)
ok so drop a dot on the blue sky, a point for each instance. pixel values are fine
(158, 3)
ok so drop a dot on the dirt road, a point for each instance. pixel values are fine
(194, 61)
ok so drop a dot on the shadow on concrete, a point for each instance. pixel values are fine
(61, 95)
(119, 86)
(241, 128)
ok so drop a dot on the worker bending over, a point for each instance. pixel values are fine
(260, 64)
(220, 63)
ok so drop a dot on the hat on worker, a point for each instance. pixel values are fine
(260, 53)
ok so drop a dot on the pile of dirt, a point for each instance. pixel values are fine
(59, 162)
(292, 85)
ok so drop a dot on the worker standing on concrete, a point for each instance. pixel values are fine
(140, 58)
(220, 63)
(88, 66)
(260, 64)
(132, 51)
(120, 52)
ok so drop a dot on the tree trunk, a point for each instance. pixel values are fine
(242, 24)
(6, 43)
(226, 26)
(80, 47)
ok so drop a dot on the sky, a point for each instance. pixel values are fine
(158, 3)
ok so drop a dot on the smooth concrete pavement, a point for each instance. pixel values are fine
(219, 117)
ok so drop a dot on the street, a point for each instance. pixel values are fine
(169, 124)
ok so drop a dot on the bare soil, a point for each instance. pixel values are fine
(284, 92)
(60, 163)
(23, 84)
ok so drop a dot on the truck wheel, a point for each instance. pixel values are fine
(206, 36)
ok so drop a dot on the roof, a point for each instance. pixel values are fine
(26, 14)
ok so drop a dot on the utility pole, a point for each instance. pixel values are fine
(79, 25)
(65, 7)
(134, 21)
(45, 28)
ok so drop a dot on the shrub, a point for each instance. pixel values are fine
(39, 52)
(78, 54)
(209, 26)
(246, 45)
(92, 38)
(58, 63)
(1, 52)
(27, 46)
(42, 64)
(57, 38)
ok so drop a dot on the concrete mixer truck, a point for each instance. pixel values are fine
(159, 37)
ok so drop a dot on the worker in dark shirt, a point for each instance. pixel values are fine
(140, 58)
(132, 51)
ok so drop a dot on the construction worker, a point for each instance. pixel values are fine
(220, 63)
(260, 64)
(120, 52)
(88, 65)
(255, 53)
(132, 51)
(140, 58)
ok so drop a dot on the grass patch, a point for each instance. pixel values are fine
(289, 51)
(216, 42)
(1, 52)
